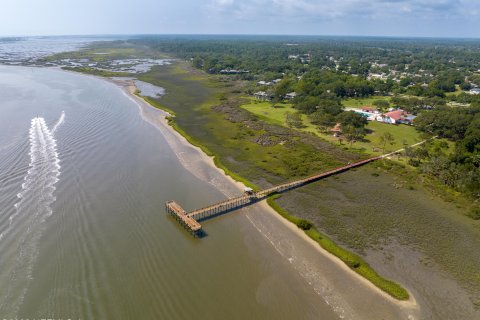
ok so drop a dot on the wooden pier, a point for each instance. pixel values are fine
(178, 213)
(190, 220)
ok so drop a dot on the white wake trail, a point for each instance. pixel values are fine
(59, 122)
(26, 223)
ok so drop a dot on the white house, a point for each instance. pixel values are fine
(291, 95)
(474, 91)
(263, 83)
(262, 95)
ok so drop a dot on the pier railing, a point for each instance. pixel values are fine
(190, 220)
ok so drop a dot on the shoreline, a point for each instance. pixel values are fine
(160, 122)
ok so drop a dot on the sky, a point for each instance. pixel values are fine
(419, 18)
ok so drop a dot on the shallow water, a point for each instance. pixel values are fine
(28, 49)
(84, 234)
(149, 90)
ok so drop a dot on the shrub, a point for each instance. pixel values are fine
(353, 264)
(414, 162)
(474, 213)
(304, 224)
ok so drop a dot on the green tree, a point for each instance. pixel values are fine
(352, 119)
(197, 62)
(382, 105)
(293, 120)
(353, 134)
(385, 138)
(323, 120)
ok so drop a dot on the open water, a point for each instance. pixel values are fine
(83, 231)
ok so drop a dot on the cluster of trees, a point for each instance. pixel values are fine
(316, 82)
(438, 84)
(465, 98)
(353, 126)
(337, 68)
(317, 85)
(441, 64)
(325, 114)
(459, 169)
(416, 105)
(258, 55)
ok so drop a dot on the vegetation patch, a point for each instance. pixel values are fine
(96, 72)
(361, 102)
(372, 143)
(352, 260)
(363, 211)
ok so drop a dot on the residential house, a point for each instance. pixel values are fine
(474, 91)
(382, 76)
(263, 83)
(396, 117)
(337, 130)
(369, 109)
(262, 95)
(290, 96)
(233, 71)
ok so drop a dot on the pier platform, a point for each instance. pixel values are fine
(181, 215)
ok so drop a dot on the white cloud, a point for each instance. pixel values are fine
(348, 17)
(223, 3)
(328, 9)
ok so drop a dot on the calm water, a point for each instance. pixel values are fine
(83, 232)
(28, 49)
(148, 89)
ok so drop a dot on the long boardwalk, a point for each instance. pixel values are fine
(190, 220)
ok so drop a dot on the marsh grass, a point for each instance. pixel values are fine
(352, 260)
(366, 208)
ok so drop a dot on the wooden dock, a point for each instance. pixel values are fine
(190, 220)
(178, 213)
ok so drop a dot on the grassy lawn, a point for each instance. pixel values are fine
(403, 134)
(266, 111)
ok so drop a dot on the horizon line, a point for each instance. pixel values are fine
(242, 34)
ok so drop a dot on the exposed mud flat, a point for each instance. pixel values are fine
(410, 236)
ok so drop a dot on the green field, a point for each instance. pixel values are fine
(403, 134)
(272, 112)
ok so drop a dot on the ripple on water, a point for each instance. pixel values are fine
(25, 223)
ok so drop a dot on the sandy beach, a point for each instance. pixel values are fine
(349, 294)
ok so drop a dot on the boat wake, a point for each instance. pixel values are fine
(59, 122)
(31, 210)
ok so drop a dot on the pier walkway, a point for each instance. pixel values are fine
(190, 220)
